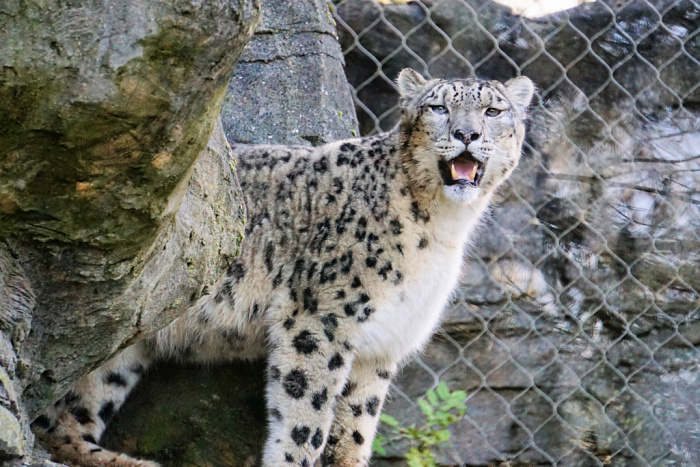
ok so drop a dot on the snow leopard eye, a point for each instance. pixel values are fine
(491, 112)
(438, 109)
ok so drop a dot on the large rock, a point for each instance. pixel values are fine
(289, 88)
(575, 330)
(111, 223)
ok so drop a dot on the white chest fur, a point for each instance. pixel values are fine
(406, 319)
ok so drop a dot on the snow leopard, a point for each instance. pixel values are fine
(351, 253)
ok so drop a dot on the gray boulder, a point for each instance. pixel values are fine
(118, 205)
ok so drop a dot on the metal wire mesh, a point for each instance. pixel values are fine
(577, 325)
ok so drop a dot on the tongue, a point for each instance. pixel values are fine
(463, 170)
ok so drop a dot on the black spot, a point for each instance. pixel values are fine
(356, 283)
(328, 274)
(346, 263)
(310, 302)
(81, 414)
(418, 213)
(342, 159)
(305, 462)
(318, 399)
(349, 309)
(372, 405)
(364, 298)
(332, 440)
(358, 438)
(305, 343)
(317, 439)
(93, 451)
(289, 323)
(269, 254)
(311, 271)
(71, 397)
(137, 369)
(356, 410)
(335, 362)
(347, 147)
(227, 290)
(398, 278)
(384, 270)
(321, 165)
(383, 374)
(371, 261)
(295, 383)
(275, 373)
(328, 459)
(116, 379)
(106, 412)
(422, 243)
(362, 222)
(42, 422)
(236, 271)
(340, 294)
(276, 414)
(396, 227)
(338, 185)
(330, 321)
(278, 279)
(89, 439)
(300, 434)
(288, 457)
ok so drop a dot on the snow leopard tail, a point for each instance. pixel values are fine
(72, 428)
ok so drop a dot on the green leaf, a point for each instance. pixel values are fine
(442, 391)
(442, 435)
(458, 396)
(426, 408)
(388, 419)
(378, 445)
(432, 397)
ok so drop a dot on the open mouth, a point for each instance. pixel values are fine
(462, 170)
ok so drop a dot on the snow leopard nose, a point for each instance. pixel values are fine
(467, 136)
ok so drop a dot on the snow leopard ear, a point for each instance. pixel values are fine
(410, 83)
(520, 91)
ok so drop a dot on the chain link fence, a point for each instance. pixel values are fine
(577, 325)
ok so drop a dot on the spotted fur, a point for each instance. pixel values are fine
(350, 255)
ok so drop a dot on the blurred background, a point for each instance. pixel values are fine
(576, 328)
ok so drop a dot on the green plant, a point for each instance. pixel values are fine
(441, 408)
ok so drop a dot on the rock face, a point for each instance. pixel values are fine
(118, 204)
(575, 331)
(288, 88)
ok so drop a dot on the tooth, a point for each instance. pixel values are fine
(473, 173)
(455, 176)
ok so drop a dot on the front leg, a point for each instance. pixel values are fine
(305, 374)
(357, 414)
